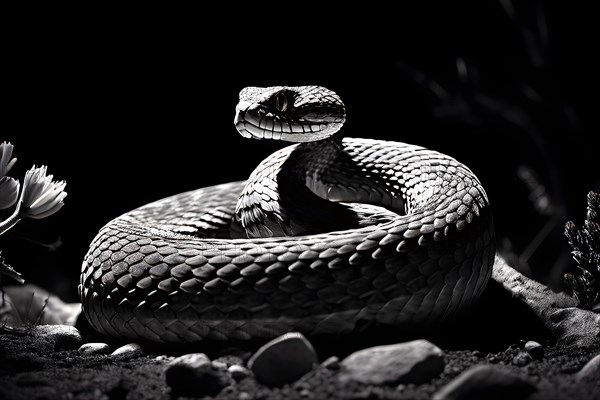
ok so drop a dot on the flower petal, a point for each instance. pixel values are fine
(51, 190)
(41, 196)
(34, 185)
(9, 192)
(6, 163)
(52, 204)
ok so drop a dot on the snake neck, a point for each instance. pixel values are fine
(279, 199)
(313, 159)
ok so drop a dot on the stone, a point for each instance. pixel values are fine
(486, 382)
(35, 305)
(57, 337)
(194, 375)
(8, 311)
(283, 360)
(415, 362)
(332, 363)
(521, 359)
(94, 348)
(590, 371)
(128, 351)
(238, 372)
(574, 326)
(219, 365)
(535, 350)
(570, 326)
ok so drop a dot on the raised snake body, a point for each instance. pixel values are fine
(292, 248)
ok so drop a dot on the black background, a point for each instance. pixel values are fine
(132, 110)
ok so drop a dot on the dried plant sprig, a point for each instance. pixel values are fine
(593, 208)
(585, 242)
(9, 271)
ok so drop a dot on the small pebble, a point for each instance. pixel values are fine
(306, 393)
(244, 396)
(332, 363)
(513, 349)
(94, 348)
(283, 360)
(535, 350)
(477, 354)
(193, 375)
(590, 371)
(494, 359)
(521, 359)
(128, 351)
(238, 372)
(219, 365)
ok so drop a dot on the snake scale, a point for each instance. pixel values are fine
(327, 234)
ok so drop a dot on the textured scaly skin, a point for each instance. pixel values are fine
(169, 271)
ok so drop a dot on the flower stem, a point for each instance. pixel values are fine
(12, 220)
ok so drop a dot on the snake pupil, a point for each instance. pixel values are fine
(281, 102)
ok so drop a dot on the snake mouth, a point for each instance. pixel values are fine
(252, 123)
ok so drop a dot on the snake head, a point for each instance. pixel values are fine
(289, 113)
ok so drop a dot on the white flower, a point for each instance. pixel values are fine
(9, 191)
(9, 187)
(41, 196)
(6, 163)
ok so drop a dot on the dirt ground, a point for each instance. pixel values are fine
(491, 333)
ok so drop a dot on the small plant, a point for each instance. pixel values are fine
(585, 284)
(39, 197)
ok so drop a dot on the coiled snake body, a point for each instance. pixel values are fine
(324, 235)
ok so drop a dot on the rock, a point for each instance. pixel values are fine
(521, 359)
(36, 305)
(486, 382)
(57, 337)
(238, 372)
(576, 327)
(8, 311)
(416, 362)
(571, 326)
(332, 363)
(590, 371)
(94, 348)
(283, 360)
(127, 352)
(535, 350)
(494, 359)
(219, 365)
(194, 375)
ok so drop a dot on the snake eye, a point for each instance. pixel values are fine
(281, 102)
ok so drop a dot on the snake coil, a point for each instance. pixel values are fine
(325, 233)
